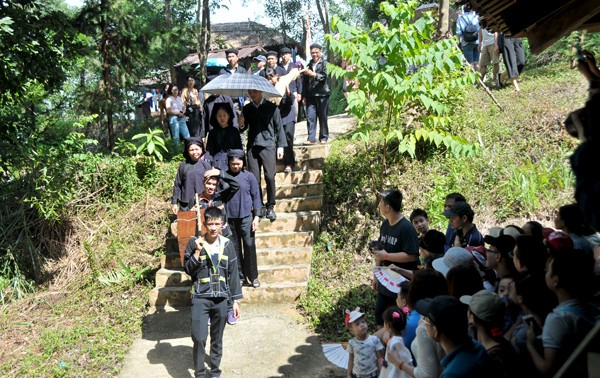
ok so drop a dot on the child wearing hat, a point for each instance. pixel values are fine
(366, 351)
(486, 314)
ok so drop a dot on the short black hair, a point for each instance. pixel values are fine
(213, 212)
(457, 197)
(574, 219)
(270, 72)
(316, 46)
(575, 271)
(393, 198)
(418, 213)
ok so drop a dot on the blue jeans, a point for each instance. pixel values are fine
(178, 127)
(471, 52)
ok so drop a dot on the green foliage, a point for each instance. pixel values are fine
(324, 302)
(153, 144)
(124, 275)
(409, 85)
(564, 50)
(13, 283)
(337, 102)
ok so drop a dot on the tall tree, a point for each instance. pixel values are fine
(203, 35)
(120, 47)
(322, 8)
(288, 16)
(38, 45)
(444, 19)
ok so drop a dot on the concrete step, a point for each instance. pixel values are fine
(284, 256)
(273, 293)
(273, 240)
(171, 296)
(298, 221)
(287, 205)
(266, 273)
(173, 278)
(298, 190)
(170, 260)
(298, 177)
(302, 152)
(302, 165)
(281, 273)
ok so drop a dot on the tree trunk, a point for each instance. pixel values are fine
(168, 17)
(104, 52)
(324, 17)
(169, 22)
(203, 38)
(283, 24)
(444, 20)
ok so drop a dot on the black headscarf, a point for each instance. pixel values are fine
(213, 115)
(190, 141)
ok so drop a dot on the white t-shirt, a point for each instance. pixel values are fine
(487, 38)
(365, 354)
(174, 104)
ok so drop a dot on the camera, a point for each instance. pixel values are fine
(375, 245)
(580, 56)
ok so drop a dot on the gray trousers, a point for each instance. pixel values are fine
(202, 309)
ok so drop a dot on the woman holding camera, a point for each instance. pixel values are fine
(193, 107)
(177, 117)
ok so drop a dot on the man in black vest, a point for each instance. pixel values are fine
(266, 140)
(316, 95)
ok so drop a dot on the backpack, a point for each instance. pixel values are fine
(471, 31)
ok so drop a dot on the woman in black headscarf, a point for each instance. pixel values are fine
(193, 166)
(222, 137)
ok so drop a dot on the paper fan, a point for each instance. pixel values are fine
(336, 354)
(388, 278)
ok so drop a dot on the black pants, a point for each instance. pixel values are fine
(195, 122)
(288, 152)
(317, 108)
(243, 236)
(264, 157)
(513, 55)
(202, 308)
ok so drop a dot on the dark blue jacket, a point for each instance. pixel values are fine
(246, 199)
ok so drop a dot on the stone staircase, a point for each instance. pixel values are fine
(284, 247)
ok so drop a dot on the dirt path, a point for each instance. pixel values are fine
(269, 340)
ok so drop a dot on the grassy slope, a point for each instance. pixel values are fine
(83, 322)
(522, 172)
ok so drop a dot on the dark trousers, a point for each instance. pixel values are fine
(195, 122)
(513, 56)
(288, 152)
(317, 108)
(381, 304)
(202, 309)
(264, 157)
(243, 236)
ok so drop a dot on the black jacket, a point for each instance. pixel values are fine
(316, 86)
(210, 279)
(264, 125)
